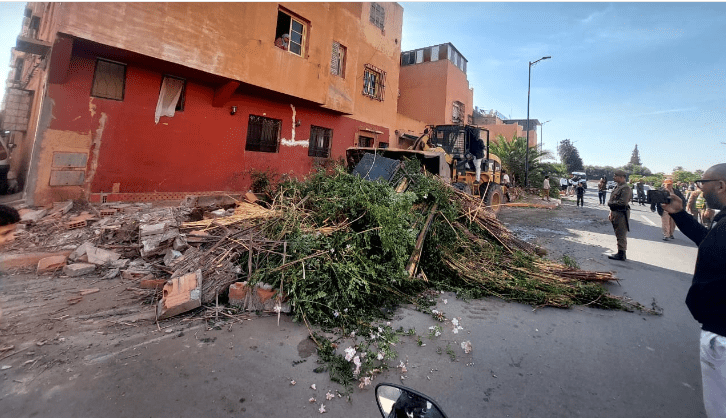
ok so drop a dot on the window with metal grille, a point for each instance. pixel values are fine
(109, 80)
(365, 141)
(378, 15)
(296, 28)
(337, 60)
(263, 134)
(374, 80)
(321, 139)
(457, 112)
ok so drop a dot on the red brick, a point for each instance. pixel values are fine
(238, 292)
(24, 260)
(180, 295)
(51, 263)
(152, 283)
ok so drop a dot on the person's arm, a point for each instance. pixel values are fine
(685, 222)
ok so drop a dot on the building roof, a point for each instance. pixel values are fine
(523, 122)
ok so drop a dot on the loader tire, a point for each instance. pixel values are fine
(493, 198)
(463, 187)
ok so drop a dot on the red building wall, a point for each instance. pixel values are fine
(201, 148)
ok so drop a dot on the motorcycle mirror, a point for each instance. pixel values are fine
(396, 401)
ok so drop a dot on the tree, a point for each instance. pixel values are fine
(635, 158)
(569, 156)
(512, 153)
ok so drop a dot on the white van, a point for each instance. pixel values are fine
(582, 176)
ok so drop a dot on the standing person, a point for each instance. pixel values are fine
(668, 225)
(546, 187)
(580, 190)
(505, 184)
(9, 219)
(692, 206)
(571, 185)
(602, 189)
(641, 191)
(563, 185)
(619, 213)
(706, 298)
(477, 147)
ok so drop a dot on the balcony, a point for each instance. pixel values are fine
(32, 46)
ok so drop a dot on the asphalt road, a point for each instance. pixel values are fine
(581, 362)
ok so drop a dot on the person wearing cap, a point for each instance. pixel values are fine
(283, 42)
(619, 213)
(706, 298)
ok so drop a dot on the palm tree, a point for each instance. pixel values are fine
(512, 153)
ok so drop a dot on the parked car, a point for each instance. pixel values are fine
(611, 184)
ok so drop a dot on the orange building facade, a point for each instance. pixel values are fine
(123, 104)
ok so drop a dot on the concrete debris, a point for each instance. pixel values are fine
(79, 269)
(30, 216)
(51, 264)
(260, 298)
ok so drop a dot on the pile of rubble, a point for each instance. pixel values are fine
(160, 249)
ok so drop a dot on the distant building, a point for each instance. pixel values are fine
(496, 123)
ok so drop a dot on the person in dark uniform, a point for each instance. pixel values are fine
(620, 213)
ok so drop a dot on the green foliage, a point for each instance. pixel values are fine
(635, 157)
(685, 176)
(570, 156)
(513, 152)
(570, 262)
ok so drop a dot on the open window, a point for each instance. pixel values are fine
(373, 82)
(365, 141)
(263, 134)
(171, 97)
(295, 28)
(109, 80)
(321, 140)
(337, 60)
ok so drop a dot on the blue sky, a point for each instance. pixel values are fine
(621, 74)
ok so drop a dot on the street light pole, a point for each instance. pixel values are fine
(541, 139)
(529, 88)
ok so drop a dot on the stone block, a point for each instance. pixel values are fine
(180, 295)
(98, 256)
(152, 229)
(79, 269)
(51, 263)
(33, 216)
(80, 251)
(237, 293)
(171, 256)
(158, 243)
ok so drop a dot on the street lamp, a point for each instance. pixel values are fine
(529, 86)
(541, 140)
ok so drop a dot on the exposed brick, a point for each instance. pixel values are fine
(24, 260)
(180, 295)
(237, 293)
(152, 283)
(51, 263)
(79, 269)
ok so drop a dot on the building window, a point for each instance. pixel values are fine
(435, 53)
(337, 60)
(174, 84)
(109, 80)
(263, 134)
(321, 140)
(296, 28)
(419, 56)
(18, 73)
(365, 141)
(408, 58)
(457, 112)
(378, 15)
(373, 82)
(381, 144)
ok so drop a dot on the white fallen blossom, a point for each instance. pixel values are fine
(356, 361)
(446, 301)
(312, 400)
(292, 382)
(380, 356)
(322, 408)
(402, 366)
(312, 386)
(466, 346)
(329, 396)
(349, 353)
